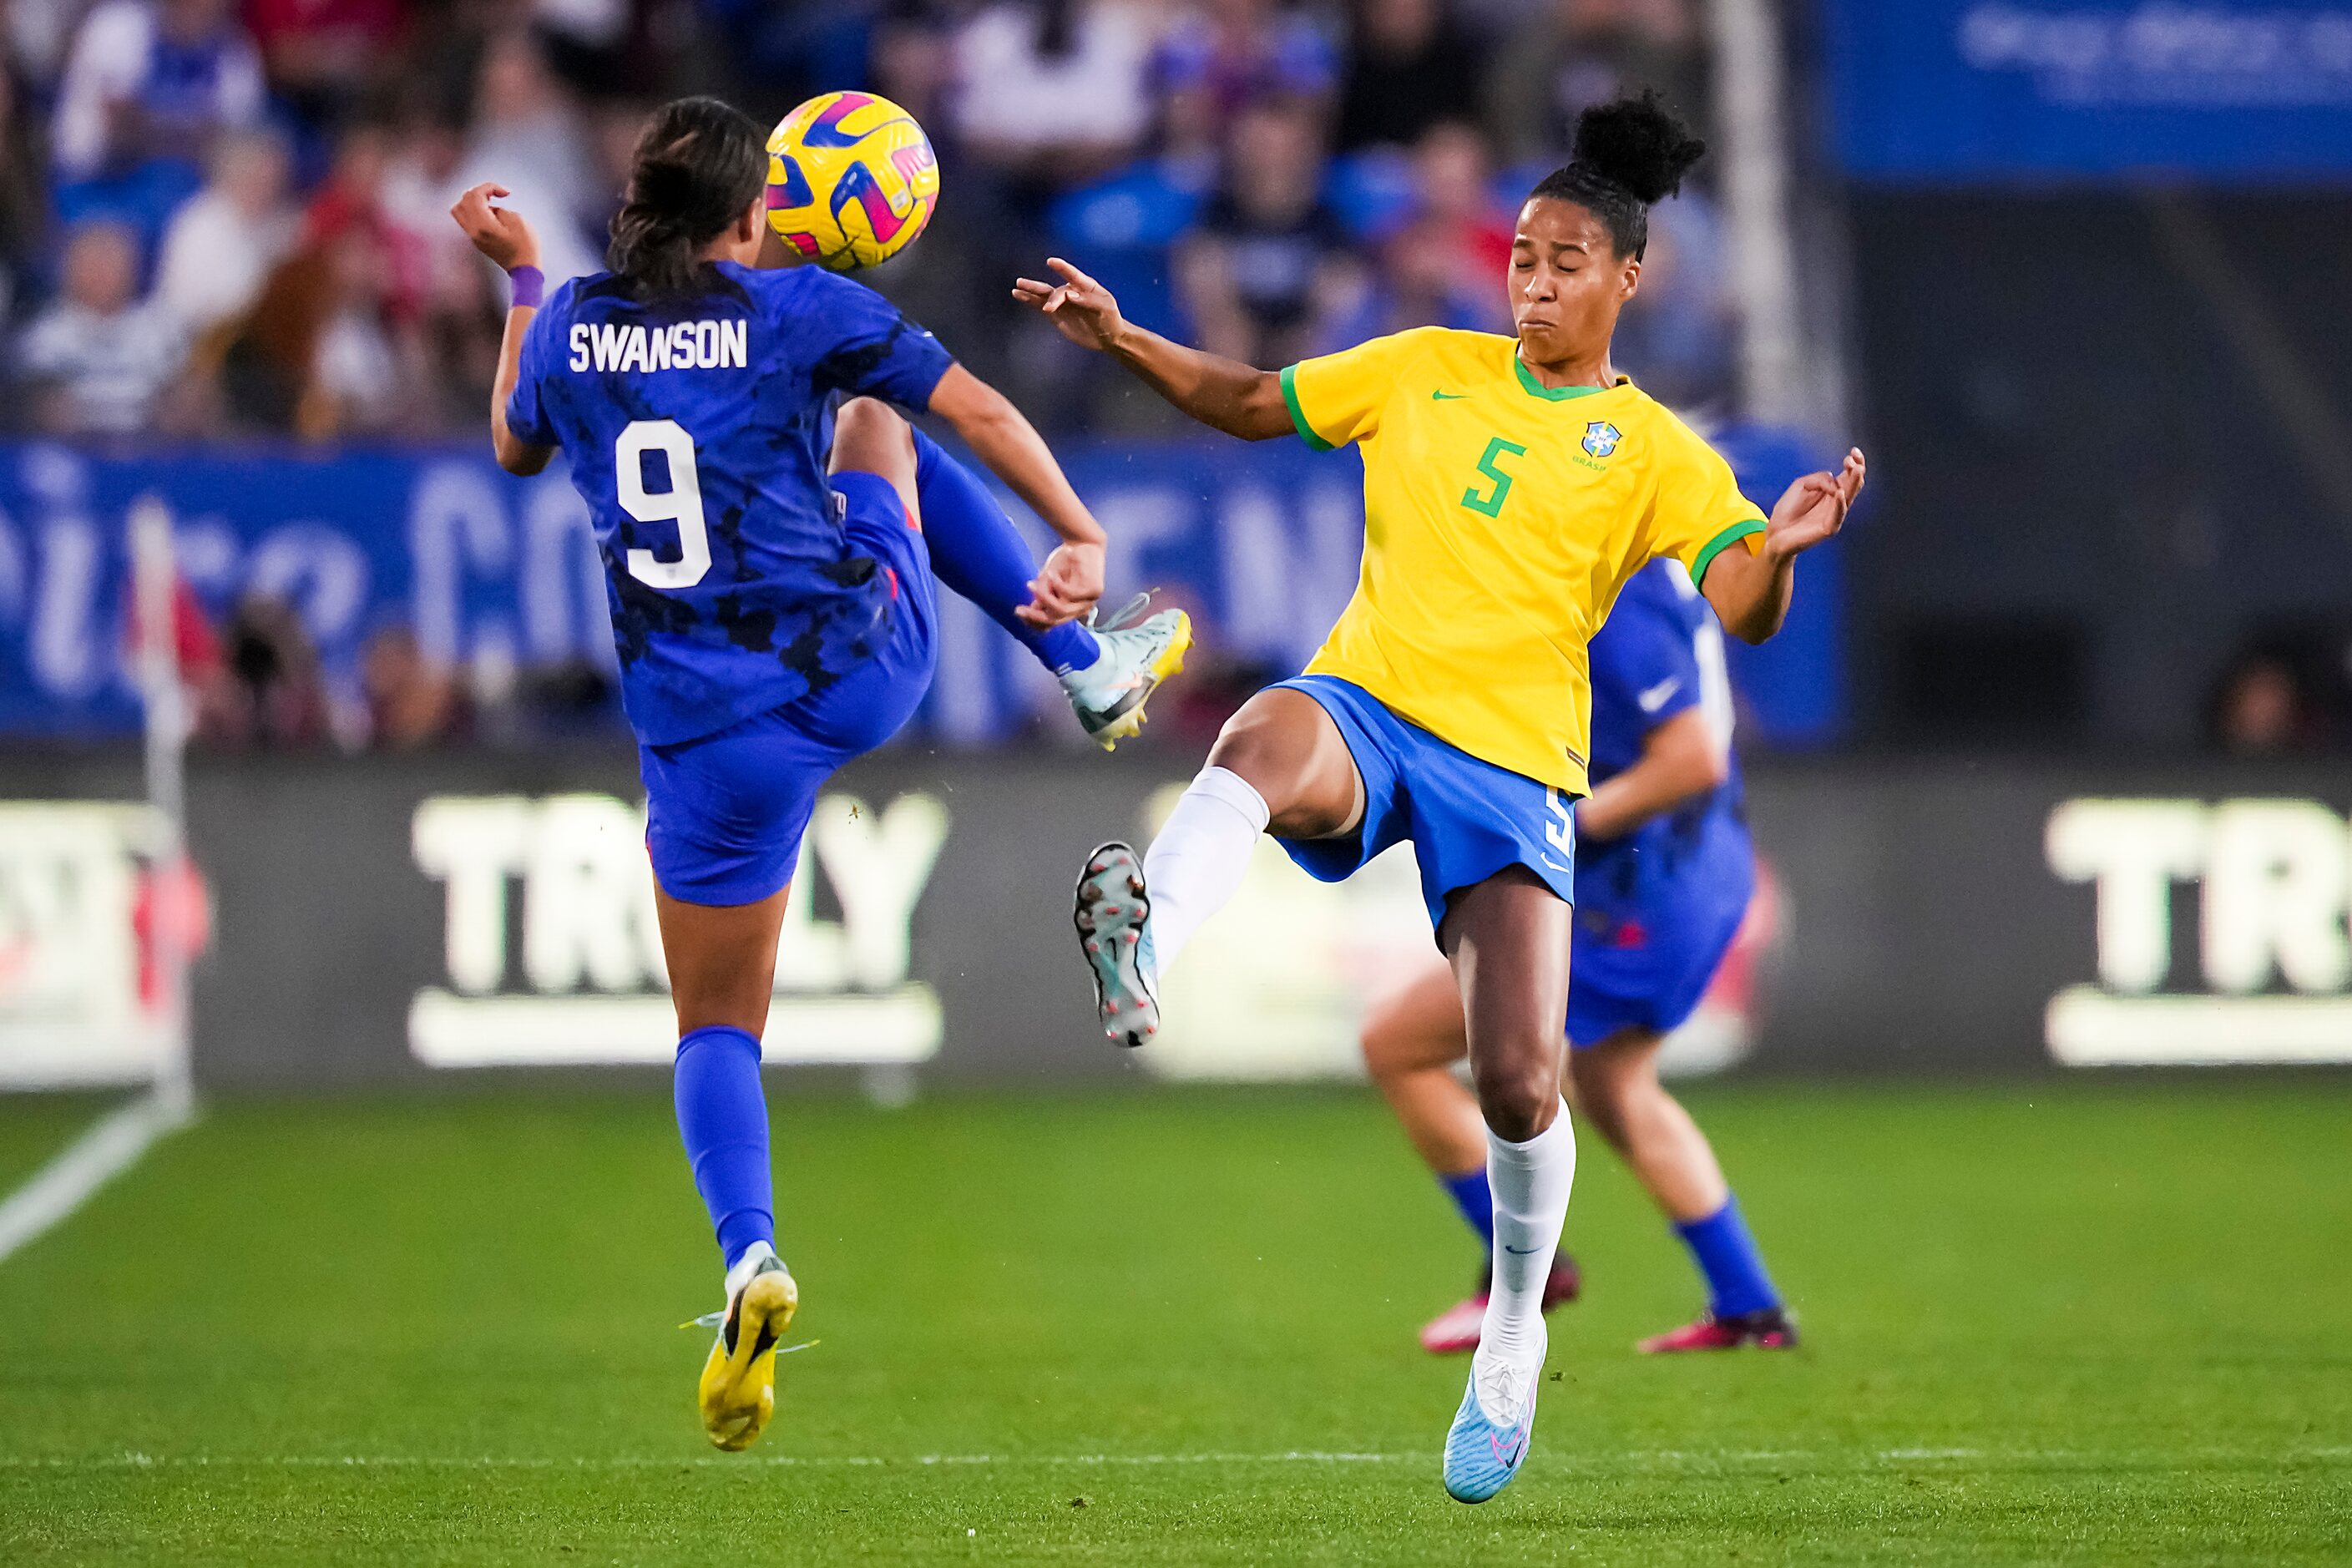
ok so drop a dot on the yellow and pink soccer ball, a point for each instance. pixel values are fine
(852, 180)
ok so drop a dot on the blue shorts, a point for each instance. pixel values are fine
(1465, 819)
(725, 812)
(1645, 955)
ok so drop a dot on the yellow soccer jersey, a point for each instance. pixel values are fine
(1501, 517)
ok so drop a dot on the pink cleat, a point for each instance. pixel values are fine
(1770, 1329)
(1455, 1331)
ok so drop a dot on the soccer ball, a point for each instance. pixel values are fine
(851, 180)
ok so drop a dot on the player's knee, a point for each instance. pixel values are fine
(1601, 1095)
(1520, 1098)
(1604, 1108)
(1250, 746)
(869, 436)
(1261, 746)
(1386, 1044)
(863, 419)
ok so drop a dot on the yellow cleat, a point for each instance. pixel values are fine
(1109, 695)
(738, 1382)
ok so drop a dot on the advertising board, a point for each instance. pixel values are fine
(424, 919)
(77, 1008)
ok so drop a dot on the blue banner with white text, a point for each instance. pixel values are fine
(1994, 92)
(495, 577)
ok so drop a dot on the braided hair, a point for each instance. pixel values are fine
(699, 163)
(1629, 154)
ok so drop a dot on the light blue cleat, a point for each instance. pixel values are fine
(1112, 913)
(1138, 658)
(1480, 1456)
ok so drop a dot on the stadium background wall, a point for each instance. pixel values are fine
(1926, 930)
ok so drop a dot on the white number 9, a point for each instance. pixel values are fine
(681, 503)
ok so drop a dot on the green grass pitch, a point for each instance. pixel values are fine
(2080, 1324)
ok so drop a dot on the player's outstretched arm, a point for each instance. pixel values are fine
(1751, 592)
(1679, 759)
(1222, 394)
(1000, 435)
(505, 239)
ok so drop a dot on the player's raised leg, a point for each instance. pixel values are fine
(1412, 1041)
(979, 555)
(1617, 1087)
(1107, 672)
(1507, 939)
(869, 436)
(1280, 765)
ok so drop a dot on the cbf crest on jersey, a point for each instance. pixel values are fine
(1601, 438)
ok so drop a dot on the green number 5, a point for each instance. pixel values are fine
(1491, 503)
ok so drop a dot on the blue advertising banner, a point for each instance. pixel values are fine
(2229, 91)
(495, 576)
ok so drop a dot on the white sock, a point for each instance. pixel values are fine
(746, 1266)
(1531, 1183)
(1198, 861)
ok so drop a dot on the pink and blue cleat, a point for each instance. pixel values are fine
(1481, 1454)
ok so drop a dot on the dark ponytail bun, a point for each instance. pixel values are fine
(1629, 154)
(699, 163)
(1635, 143)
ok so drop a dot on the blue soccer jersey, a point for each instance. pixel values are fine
(696, 431)
(1660, 653)
(1657, 908)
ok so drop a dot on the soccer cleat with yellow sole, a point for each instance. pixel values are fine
(1109, 695)
(738, 1393)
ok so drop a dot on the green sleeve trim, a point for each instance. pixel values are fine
(1715, 546)
(1299, 415)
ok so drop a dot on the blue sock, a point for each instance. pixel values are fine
(1476, 1199)
(1726, 1254)
(981, 556)
(723, 1118)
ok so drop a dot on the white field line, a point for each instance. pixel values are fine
(112, 1145)
(1732, 1458)
(648, 1462)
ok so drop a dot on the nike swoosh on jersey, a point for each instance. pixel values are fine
(1447, 397)
(1655, 697)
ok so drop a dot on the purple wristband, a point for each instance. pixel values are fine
(530, 287)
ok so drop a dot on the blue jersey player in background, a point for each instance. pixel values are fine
(768, 551)
(1664, 873)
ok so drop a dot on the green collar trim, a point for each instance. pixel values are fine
(1534, 388)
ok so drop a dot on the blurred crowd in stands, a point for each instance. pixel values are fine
(225, 218)
(254, 679)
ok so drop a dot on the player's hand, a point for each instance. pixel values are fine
(1065, 587)
(495, 232)
(1081, 308)
(1814, 508)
